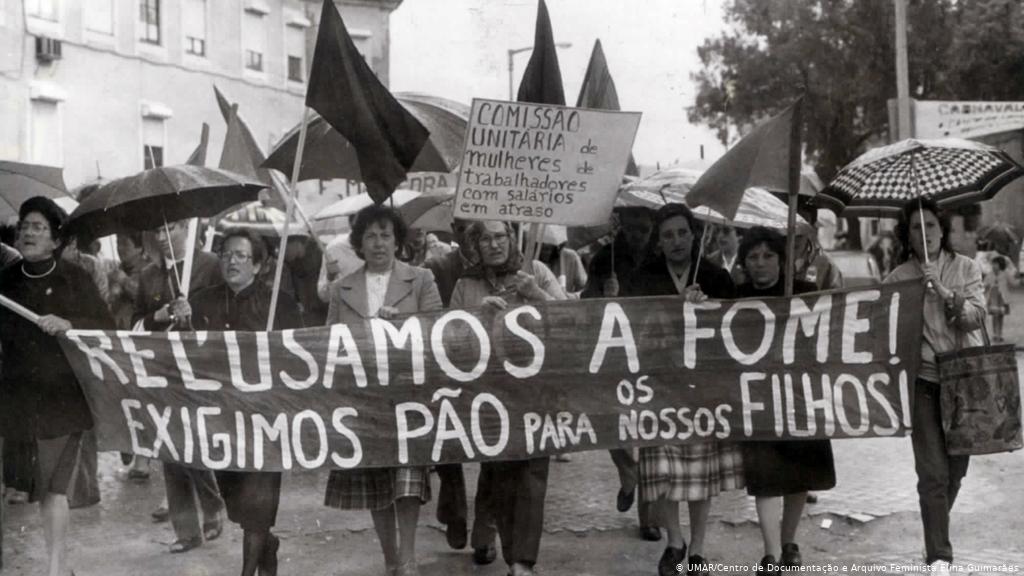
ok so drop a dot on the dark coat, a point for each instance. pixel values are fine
(158, 286)
(219, 308)
(654, 279)
(447, 270)
(601, 267)
(747, 290)
(39, 394)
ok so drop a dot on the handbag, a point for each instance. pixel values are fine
(980, 399)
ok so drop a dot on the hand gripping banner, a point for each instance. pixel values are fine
(465, 385)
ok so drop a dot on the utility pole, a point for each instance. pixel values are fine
(902, 75)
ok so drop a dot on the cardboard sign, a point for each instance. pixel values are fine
(541, 163)
(459, 386)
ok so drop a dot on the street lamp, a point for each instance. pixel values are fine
(511, 62)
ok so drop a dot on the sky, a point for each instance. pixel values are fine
(458, 49)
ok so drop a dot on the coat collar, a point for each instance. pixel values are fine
(400, 285)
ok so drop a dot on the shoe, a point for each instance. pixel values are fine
(518, 569)
(15, 497)
(812, 498)
(624, 500)
(671, 562)
(182, 545)
(563, 458)
(485, 555)
(939, 568)
(695, 565)
(455, 533)
(268, 559)
(407, 569)
(136, 475)
(213, 530)
(768, 566)
(790, 556)
(161, 514)
(650, 533)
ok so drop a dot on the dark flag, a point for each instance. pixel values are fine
(198, 156)
(542, 80)
(347, 94)
(765, 157)
(598, 91)
(243, 140)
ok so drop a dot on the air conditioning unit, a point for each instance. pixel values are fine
(47, 49)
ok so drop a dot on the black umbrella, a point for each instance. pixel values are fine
(1002, 238)
(20, 181)
(162, 195)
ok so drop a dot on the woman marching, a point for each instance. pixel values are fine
(43, 413)
(779, 474)
(954, 311)
(383, 288)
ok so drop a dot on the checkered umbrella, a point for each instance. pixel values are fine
(953, 172)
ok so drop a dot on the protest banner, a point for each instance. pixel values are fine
(542, 163)
(456, 386)
(960, 119)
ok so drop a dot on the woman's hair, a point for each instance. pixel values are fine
(515, 257)
(134, 236)
(757, 236)
(377, 214)
(55, 215)
(903, 225)
(673, 209)
(259, 249)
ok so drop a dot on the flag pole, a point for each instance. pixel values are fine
(292, 201)
(794, 190)
(19, 309)
(700, 252)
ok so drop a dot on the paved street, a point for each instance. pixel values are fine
(585, 535)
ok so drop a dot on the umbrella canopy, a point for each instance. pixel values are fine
(951, 171)
(1002, 238)
(261, 219)
(165, 194)
(328, 155)
(352, 204)
(20, 181)
(429, 212)
(660, 188)
(757, 208)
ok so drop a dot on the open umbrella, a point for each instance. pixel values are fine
(429, 212)
(20, 181)
(328, 155)
(758, 207)
(951, 171)
(261, 219)
(1002, 238)
(352, 204)
(660, 188)
(161, 195)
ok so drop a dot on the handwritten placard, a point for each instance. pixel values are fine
(541, 163)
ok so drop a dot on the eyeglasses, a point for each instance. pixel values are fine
(235, 257)
(37, 227)
(497, 239)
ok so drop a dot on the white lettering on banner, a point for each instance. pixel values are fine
(808, 320)
(873, 382)
(852, 325)
(449, 425)
(288, 339)
(691, 333)
(98, 355)
(163, 433)
(338, 423)
(220, 440)
(298, 439)
(615, 316)
(862, 404)
(276, 432)
(766, 340)
(262, 362)
(441, 353)
(905, 398)
(749, 406)
(142, 378)
(240, 438)
(341, 335)
(512, 323)
(402, 426)
(825, 404)
(190, 446)
(127, 405)
(410, 336)
(188, 377)
(477, 429)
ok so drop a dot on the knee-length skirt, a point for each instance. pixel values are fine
(788, 467)
(251, 498)
(376, 488)
(690, 472)
(42, 466)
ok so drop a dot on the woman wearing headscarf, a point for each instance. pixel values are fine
(954, 312)
(516, 488)
(43, 412)
(383, 287)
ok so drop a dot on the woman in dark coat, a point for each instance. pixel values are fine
(43, 412)
(697, 471)
(243, 303)
(779, 474)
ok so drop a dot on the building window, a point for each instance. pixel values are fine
(194, 26)
(295, 46)
(295, 72)
(152, 142)
(254, 39)
(99, 16)
(46, 146)
(42, 9)
(149, 21)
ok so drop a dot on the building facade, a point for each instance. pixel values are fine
(106, 88)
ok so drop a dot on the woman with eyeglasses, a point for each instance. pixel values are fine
(516, 489)
(43, 412)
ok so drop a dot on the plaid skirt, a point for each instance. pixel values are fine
(376, 488)
(690, 472)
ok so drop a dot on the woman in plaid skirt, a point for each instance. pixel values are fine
(695, 471)
(383, 288)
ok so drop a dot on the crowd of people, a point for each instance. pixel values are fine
(382, 269)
